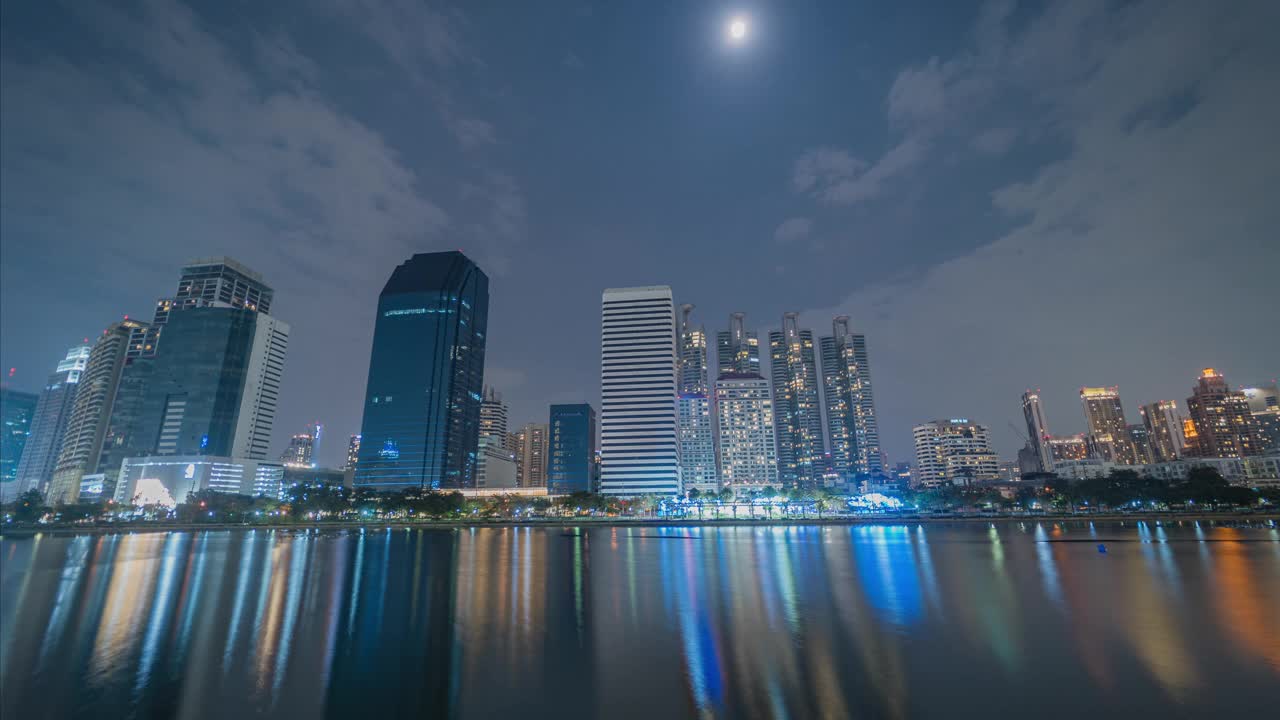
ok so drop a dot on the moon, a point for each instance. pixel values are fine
(738, 29)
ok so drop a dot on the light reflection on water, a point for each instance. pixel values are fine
(801, 622)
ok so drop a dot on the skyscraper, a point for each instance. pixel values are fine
(532, 463)
(1225, 428)
(638, 452)
(422, 403)
(353, 452)
(1108, 433)
(496, 461)
(797, 414)
(737, 349)
(493, 416)
(954, 452)
(87, 425)
(696, 426)
(1037, 431)
(1164, 430)
(853, 432)
(48, 425)
(17, 409)
(572, 448)
(748, 444)
(216, 282)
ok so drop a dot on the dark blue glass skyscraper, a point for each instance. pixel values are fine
(426, 372)
(573, 449)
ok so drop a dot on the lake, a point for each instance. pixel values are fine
(963, 619)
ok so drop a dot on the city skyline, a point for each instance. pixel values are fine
(933, 216)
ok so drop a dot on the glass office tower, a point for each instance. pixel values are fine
(573, 448)
(421, 424)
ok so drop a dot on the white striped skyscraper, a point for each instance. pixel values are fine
(638, 446)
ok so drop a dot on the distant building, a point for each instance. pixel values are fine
(311, 475)
(695, 421)
(954, 452)
(493, 415)
(1164, 430)
(17, 410)
(1010, 472)
(1037, 430)
(421, 426)
(533, 455)
(1225, 427)
(1108, 435)
(87, 424)
(167, 481)
(495, 465)
(353, 452)
(301, 451)
(853, 433)
(48, 423)
(638, 448)
(693, 355)
(1264, 405)
(737, 349)
(902, 474)
(797, 413)
(572, 449)
(748, 444)
(1140, 440)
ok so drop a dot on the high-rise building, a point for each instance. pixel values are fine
(531, 468)
(853, 433)
(1264, 405)
(797, 414)
(954, 452)
(1164, 430)
(220, 288)
(87, 425)
(353, 452)
(748, 443)
(695, 423)
(421, 424)
(737, 349)
(572, 448)
(638, 450)
(48, 425)
(1108, 433)
(493, 416)
(1140, 440)
(1037, 430)
(17, 410)
(693, 355)
(697, 433)
(1225, 428)
(301, 451)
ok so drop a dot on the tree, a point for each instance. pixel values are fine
(29, 506)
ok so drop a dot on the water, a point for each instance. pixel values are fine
(646, 622)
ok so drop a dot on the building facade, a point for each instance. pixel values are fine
(954, 452)
(797, 414)
(639, 453)
(695, 420)
(737, 349)
(1164, 430)
(17, 410)
(421, 426)
(353, 452)
(1264, 405)
(1108, 434)
(748, 443)
(532, 455)
(301, 451)
(91, 412)
(1224, 424)
(572, 449)
(48, 423)
(1037, 430)
(168, 481)
(853, 432)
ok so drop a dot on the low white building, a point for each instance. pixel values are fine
(168, 480)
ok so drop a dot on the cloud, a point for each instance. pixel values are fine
(793, 229)
(835, 177)
(995, 141)
(571, 61)
(1163, 170)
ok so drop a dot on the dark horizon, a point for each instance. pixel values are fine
(1001, 196)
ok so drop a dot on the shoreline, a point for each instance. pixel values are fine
(129, 529)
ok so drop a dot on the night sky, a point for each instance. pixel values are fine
(1001, 196)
